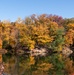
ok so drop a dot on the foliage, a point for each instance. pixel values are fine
(47, 31)
(58, 65)
(69, 67)
(38, 31)
(58, 41)
(69, 36)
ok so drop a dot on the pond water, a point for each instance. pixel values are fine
(26, 65)
(31, 65)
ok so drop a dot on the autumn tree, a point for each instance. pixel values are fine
(69, 36)
(55, 18)
(58, 41)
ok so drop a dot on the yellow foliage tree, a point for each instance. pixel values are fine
(40, 34)
(69, 36)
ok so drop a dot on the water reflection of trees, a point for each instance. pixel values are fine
(37, 65)
(21, 65)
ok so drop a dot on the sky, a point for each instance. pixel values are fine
(13, 9)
